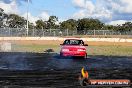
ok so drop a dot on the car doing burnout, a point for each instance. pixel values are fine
(73, 47)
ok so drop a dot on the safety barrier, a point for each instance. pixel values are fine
(62, 39)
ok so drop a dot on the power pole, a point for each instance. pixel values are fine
(27, 15)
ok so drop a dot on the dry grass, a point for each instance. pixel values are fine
(94, 48)
(53, 42)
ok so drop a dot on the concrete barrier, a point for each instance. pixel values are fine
(5, 47)
(62, 39)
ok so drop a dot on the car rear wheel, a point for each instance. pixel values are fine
(61, 54)
(85, 57)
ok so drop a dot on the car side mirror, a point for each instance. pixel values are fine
(85, 44)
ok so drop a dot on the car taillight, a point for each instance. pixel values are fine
(81, 50)
(65, 50)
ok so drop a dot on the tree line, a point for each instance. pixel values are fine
(16, 21)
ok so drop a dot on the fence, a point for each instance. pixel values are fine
(21, 32)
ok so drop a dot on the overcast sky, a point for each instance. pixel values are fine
(108, 11)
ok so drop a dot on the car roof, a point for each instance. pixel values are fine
(73, 39)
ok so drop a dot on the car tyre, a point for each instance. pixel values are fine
(61, 55)
(85, 57)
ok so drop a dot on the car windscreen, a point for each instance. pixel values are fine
(73, 42)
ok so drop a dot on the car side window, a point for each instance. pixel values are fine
(81, 42)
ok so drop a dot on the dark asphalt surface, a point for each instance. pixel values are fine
(41, 70)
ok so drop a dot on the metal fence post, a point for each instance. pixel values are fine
(43, 33)
(67, 32)
(54, 34)
(94, 32)
(50, 31)
(9, 32)
(33, 31)
(103, 32)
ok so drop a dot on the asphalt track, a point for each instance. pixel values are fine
(49, 70)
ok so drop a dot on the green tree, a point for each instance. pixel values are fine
(89, 24)
(127, 26)
(31, 26)
(70, 24)
(51, 23)
(1, 14)
(16, 21)
(40, 24)
(110, 27)
(2, 17)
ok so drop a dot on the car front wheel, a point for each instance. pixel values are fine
(85, 57)
(61, 55)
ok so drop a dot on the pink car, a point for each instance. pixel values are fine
(73, 47)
